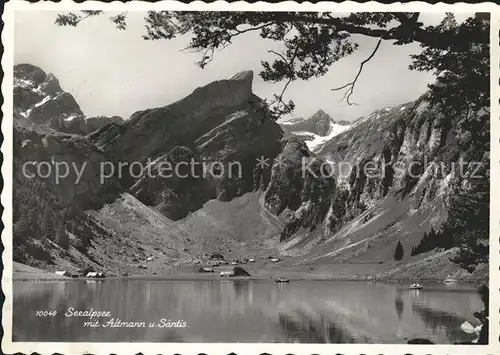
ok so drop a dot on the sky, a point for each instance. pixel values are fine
(112, 72)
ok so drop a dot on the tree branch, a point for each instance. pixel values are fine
(238, 32)
(336, 22)
(419, 34)
(405, 20)
(319, 39)
(351, 85)
(279, 98)
(211, 45)
(277, 54)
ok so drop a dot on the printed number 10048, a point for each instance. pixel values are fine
(46, 313)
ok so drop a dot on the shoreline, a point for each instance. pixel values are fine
(156, 278)
(23, 273)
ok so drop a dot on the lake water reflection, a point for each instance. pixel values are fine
(245, 311)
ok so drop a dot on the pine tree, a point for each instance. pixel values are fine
(399, 252)
(48, 225)
(62, 238)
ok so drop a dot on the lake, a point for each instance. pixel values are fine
(242, 311)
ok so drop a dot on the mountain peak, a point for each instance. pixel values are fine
(320, 112)
(242, 75)
(320, 123)
(245, 78)
(29, 73)
(321, 115)
(40, 101)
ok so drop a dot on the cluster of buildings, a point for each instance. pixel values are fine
(217, 260)
(90, 275)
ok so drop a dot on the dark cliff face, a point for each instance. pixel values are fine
(402, 144)
(300, 187)
(155, 131)
(174, 195)
(40, 101)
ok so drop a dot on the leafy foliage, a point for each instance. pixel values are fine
(312, 42)
(469, 216)
(462, 92)
(462, 68)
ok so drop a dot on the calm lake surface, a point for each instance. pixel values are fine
(244, 311)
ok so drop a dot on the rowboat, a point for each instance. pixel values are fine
(282, 279)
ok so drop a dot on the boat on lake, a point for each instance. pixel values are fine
(415, 286)
(282, 279)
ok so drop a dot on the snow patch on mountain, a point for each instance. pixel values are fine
(317, 141)
(44, 100)
(40, 101)
(70, 118)
(291, 121)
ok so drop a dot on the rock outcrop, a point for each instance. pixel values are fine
(175, 193)
(85, 125)
(301, 186)
(217, 134)
(396, 151)
(319, 124)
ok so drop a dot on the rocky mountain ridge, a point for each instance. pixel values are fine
(386, 139)
(319, 123)
(219, 124)
(40, 100)
(394, 172)
(301, 202)
(222, 124)
(315, 130)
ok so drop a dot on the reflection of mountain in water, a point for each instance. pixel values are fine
(300, 326)
(438, 320)
(399, 305)
(243, 311)
(241, 288)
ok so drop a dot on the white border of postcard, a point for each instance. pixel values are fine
(242, 348)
